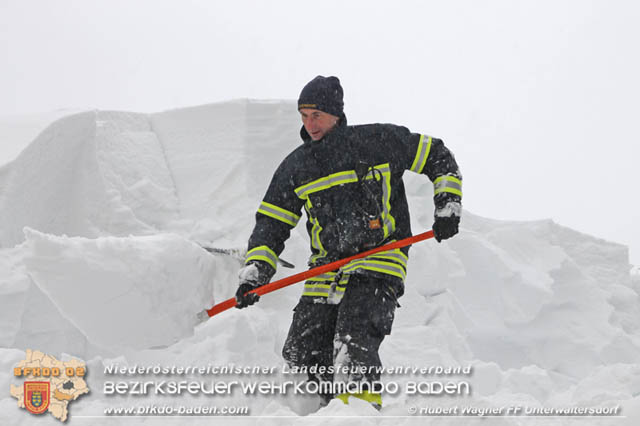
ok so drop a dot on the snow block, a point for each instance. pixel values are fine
(134, 292)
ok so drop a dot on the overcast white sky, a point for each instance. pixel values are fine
(539, 100)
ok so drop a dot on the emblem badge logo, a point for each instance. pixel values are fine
(36, 396)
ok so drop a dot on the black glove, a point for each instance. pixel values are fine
(243, 300)
(445, 227)
(252, 276)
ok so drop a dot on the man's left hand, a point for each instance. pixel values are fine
(445, 227)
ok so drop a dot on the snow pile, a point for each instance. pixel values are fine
(90, 174)
(108, 270)
(104, 173)
(538, 293)
(128, 279)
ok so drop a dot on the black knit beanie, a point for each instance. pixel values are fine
(324, 94)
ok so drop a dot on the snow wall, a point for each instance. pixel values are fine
(101, 218)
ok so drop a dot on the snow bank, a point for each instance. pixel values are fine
(135, 292)
(531, 299)
(90, 174)
(102, 173)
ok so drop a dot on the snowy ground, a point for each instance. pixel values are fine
(100, 219)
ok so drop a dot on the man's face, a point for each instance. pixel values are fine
(317, 123)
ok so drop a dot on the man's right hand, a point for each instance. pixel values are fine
(244, 299)
(249, 278)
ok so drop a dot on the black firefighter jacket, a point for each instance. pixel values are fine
(349, 185)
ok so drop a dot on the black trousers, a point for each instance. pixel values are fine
(345, 335)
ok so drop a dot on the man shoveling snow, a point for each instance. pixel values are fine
(348, 179)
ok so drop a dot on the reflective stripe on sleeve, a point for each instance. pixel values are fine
(278, 213)
(421, 154)
(447, 184)
(263, 253)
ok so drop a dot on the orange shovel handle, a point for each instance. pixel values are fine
(275, 285)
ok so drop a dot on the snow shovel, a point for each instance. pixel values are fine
(239, 254)
(276, 285)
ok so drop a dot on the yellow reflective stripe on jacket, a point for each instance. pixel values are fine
(447, 184)
(316, 290)
(391, 262)
(388, 221)
(421, 154)
(390, 268)
(321, 290)
(326, 182)
(321, 285)
(263, 253)
(278, 213)
(329, 276)
(315, 234)
(398, 258)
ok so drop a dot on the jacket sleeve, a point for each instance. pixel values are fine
(429, 156)
(277, 215)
